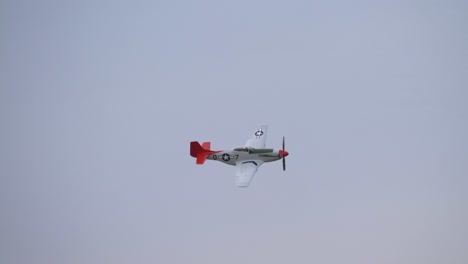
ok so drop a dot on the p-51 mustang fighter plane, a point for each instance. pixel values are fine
(246, 158)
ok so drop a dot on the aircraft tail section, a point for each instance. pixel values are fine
(201, 152)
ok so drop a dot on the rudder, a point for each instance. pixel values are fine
(195, 148)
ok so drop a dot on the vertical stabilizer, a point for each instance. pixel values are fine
(201, 152)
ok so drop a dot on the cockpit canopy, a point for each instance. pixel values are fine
(252, 150)
(242, 149)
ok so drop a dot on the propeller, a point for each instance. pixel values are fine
(283, 155)
(284, 164)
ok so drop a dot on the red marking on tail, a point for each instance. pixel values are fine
(201, 152)
(206, 145)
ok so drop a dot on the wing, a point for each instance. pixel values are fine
(245, 171)
(258, 138)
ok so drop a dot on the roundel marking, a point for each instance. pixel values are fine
(226, 157)
(259, 133)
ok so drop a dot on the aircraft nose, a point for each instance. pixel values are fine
(283, 153)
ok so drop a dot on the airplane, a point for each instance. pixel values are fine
(247, 158)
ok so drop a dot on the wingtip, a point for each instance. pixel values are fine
(242, 184)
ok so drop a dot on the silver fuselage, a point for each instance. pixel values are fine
(232, 157)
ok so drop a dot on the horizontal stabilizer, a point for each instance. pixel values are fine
(206, 145)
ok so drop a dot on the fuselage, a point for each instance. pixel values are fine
(236, 155)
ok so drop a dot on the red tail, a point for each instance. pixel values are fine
(201, 152)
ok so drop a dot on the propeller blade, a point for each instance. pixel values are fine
(284, 160)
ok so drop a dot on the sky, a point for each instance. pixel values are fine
(100, 99)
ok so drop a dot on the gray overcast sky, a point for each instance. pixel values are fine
(100, 99)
